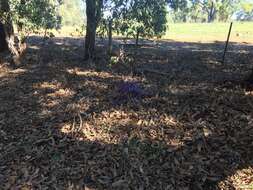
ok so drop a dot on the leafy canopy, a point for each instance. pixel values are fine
(34, 14)
(144, 18)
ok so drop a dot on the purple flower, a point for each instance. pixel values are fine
(131, 89)
(127, 91)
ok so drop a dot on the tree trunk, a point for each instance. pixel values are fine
(90, 29)
(8, 27)
(110, 37)
(3, 43)
(137, 38)
(9, 30)
(93, 13)
(211, 13)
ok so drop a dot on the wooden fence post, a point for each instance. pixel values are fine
(226, 47)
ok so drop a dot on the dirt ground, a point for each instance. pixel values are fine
(62, 128)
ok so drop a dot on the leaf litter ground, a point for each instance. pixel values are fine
(182, 121)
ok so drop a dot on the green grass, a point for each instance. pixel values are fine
(68, 31)
(192, 32)
(241, 32)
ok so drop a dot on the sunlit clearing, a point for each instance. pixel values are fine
(45, 85)
(83, 131)
(66, 128)
(242, 179)
(51, 103)
(59, 43)
(54, 89)
(249, 93)
(34, 47)
(89, 73)
(169, 120)
(62, 93)
(242, 52)
(115, 126)
(18, 71)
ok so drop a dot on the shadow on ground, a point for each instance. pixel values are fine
(61, 129)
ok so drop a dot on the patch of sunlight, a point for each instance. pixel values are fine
(66, 128)
(34, 47)
(242, 179)
(248, 93)
(59, 43)
(89, 73)
(51, 104)
(3, 72)
(148, 47)
(179, 89)
(46, 85)
(184, 89)
(169, 120)
(242, 52)
(3, 75)
(45, 113)
(18, 71)
(206, 50)
(191, 47)
(62, 93)
(81, 106)
(84, 130)
(213, 63)
(115, 126)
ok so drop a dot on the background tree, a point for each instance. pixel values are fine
(144, 18)
(7, 26)
(3, 43)
(5, 14)
(112, 11)
(210, 7)
(32, 15)
(203, 10)
(93, 13)
(180, 9)
(72, 13)
(29, 15)
(220, 10)
(246, 11)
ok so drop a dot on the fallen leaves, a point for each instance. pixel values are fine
(59, 128)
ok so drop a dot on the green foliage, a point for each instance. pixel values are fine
(246, 12)
(35, 14)
(113, 60)
(72, 13)
(226, 9)
(102, 30)
(203, 10)
(146, 18)
(112, 11)
(247, 7)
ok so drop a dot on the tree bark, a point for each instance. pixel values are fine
(110, 37)
(211, 13)
(3, 43)
(5, 9)
(137, 38)
(93, 12)
(9, 30)
(90, 29)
